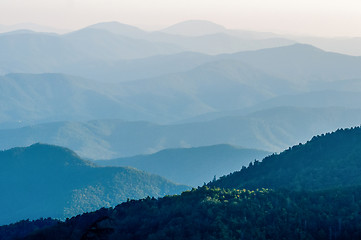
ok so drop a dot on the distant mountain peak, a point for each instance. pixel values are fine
(41, 154)
(32, 27)
(297, 47)
(195, 28)
(303, 46)
(113, 24)
(119, 29)
(18, 31)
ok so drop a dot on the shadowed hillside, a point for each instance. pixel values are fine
(49, 181)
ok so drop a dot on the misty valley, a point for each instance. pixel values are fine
(194, 131)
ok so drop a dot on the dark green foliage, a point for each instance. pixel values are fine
(327, 161)
(24, 228)
(223, 214)
(49, 181)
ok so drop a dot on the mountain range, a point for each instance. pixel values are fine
(32, 98)
(298, 63)
(200, 84)
(270, 130)
(36, 52)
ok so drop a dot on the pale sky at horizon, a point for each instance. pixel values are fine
(307, 17)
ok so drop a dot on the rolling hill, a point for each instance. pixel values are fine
(134, 69)
(32, 27)
(96, 43)
(34, 52)
(50, 181)
(194, 28)
(318, 99)
(191, 166)
(202, 27)
(344, 45)
(35, 98)
(120, 29)
(301, 63)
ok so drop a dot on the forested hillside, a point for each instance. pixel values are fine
(327, 161)
(49, 181)
(222, 214)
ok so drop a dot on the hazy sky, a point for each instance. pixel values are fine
(316, 17)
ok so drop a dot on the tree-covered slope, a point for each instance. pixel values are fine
(326, 161)
(222, 214)
(24, 227)
(49, 181)
(191, 166)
